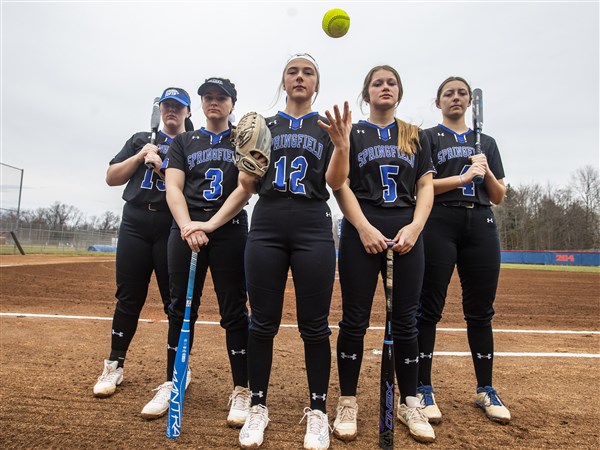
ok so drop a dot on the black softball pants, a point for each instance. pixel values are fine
(290, 233)
(141, 249)
(359, 275)
(224, 255)
(468, 239)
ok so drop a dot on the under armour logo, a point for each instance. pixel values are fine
(360, 131)
(171, 348)
(440, 134)
(490, 220)
(352, 356)
(318, 397)
(408, 360)
(327, 214)
(272, 123)
(258, 394)
(195, 137)
(480, 356)
(120, 334)
(423, 355)
(241, 352)
(235, 221)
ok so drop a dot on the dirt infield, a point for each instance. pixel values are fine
(49, 365)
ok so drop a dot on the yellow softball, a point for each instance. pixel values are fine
(336, 23)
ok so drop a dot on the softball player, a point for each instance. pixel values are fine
(291, 228)
(462, 232)
(144, 230)
(387, 161)
(206, 202)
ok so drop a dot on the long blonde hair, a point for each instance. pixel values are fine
(408, 134)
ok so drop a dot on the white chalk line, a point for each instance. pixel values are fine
(527, 354)
(374, 351)
(291, 325)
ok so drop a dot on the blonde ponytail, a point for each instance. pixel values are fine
(408, 137)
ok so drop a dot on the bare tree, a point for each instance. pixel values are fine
(587, 184)
(108, 221)
(60, 216)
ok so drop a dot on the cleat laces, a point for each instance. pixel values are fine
(427, 399)
(493, 397)
(257, 419)
(238, 400)
(315, 421)
(108, 375)
(163, 392)
(416, 415)
(346, 413)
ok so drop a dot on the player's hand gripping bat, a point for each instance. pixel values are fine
(154, 124)
(477, 125)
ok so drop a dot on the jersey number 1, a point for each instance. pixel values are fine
(147, 182)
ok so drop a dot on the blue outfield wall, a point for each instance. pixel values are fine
(563, 258)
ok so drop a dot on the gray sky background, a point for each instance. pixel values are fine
(79, 78)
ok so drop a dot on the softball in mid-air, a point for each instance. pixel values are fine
(336, 23)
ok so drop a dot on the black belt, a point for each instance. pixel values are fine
(469, 205)
(151, 206)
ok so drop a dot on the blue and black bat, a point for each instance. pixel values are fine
(477, 125)
(180, 369)
(386, 390)
(154, 124)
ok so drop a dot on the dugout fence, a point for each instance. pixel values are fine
(40, 240)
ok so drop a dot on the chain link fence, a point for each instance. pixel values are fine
(40, 240)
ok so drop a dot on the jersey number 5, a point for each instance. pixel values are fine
(390, 188)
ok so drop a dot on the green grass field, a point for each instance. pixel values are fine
(587, 269)
(49, 250)
(34, 250)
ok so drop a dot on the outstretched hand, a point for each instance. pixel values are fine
(339, 126)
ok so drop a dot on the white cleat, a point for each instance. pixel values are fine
(487, 399)
(159, 405)
(430, 408)
(411, 414)
(344, 425)
(240, 407)
(111, 377)
(253, 431)
(317, 430)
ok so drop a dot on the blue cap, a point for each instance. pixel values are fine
(176, 94)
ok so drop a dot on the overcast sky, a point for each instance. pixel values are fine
(79, 78)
